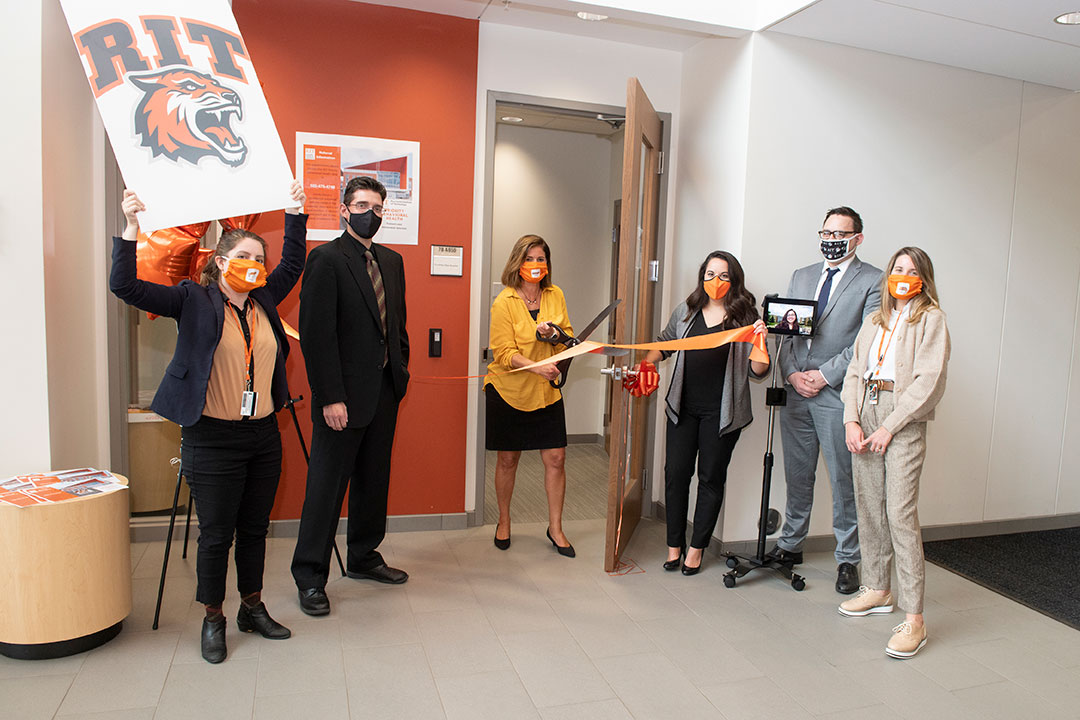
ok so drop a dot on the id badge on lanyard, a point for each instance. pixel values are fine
(249, 399)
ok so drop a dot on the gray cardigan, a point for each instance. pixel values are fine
(735, 412)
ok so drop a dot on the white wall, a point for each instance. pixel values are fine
(565, 67)
(75, 250)
(556, 184)
(982, 173)
(24, 421)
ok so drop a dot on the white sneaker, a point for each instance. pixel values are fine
(866, 602)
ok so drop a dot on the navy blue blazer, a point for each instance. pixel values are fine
(199, 313)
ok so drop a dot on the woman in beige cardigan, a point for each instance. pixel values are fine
(895, 379)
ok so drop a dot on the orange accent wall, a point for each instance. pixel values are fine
(349, 68)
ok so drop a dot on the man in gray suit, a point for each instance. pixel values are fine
(847, 290)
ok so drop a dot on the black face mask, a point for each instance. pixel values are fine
(834, 250)
(365, 224)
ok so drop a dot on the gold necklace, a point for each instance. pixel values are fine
(528, 300)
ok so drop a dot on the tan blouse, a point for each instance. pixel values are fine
(228, 375)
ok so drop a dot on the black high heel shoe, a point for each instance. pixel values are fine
(671, 565)
(565, 551)
(691, 570)
(501, 544)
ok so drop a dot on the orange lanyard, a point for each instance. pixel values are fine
(249, 341)
(881, 353)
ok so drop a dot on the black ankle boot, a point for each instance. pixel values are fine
(256, 619)
(213, 640)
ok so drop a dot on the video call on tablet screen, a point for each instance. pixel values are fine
(790, 316)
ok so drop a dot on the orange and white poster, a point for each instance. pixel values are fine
(326, 163)
(181, 102)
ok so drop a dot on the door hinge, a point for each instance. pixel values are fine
(654, 270)
(660, 164)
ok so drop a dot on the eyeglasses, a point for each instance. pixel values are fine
(835, 234)
(363, 207)
(709, 275)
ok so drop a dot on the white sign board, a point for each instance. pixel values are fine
(182, 104)
(326, 163)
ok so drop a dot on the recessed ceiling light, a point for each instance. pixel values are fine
(512, 118)
(591, 17)
(1069, 18)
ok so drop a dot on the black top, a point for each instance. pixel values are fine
(704, 384)
(535, 313)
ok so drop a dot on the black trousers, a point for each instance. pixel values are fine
(233, 470)
(695, 438)
(353, 459)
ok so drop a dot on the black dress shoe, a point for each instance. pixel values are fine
(671, 565)
(788, 557)
(313, 601)
(382, 573)
(213, 640)
(256, 619)
(564, 550)
(847, 578)
(687, 570)
(500, 543)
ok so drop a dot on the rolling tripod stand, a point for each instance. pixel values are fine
(741, 565)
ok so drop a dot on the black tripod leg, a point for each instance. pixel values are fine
(307, 459)
(187, 528)
(168, 545)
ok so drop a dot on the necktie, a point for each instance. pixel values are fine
(380, 293)
(826, 288)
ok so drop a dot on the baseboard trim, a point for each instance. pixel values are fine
(931, 533)
(146, 529)
(584, 439)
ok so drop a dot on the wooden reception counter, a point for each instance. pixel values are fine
(67, 575)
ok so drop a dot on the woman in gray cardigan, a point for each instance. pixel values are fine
(708, 403)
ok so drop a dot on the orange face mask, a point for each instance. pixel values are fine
(244, 275)
(717, 288)
(533, 271)
(903, 287)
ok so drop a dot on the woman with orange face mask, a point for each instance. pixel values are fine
(523, 410)
(224, 384)
(895, 380)
(708, 402)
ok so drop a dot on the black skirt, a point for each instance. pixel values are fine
(511, 429)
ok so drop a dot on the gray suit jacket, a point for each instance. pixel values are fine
(855, 295)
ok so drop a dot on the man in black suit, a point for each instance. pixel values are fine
(356, 349)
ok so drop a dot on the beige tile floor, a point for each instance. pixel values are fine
(479, 633)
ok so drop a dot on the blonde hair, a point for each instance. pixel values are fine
(525, 243)
(926, 300)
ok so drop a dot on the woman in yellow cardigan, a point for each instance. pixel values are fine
(524, 412)
(895, 380)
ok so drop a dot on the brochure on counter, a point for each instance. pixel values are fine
(58, 486)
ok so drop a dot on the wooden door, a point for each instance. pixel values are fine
(634, 317)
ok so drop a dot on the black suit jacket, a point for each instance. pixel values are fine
(199, 313)
(340, 332)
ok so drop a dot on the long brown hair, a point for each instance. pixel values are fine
(739, 301)
(922, 302)
(525, 243)
(211, 273)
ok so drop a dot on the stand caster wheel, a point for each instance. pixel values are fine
(798, 583)
(732, 562)
(729, 581)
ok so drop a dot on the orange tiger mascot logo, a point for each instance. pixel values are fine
(186, 115)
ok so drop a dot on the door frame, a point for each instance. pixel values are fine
(476, 517)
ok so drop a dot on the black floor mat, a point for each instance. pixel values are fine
(1038, 569)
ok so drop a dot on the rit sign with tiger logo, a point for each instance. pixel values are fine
(182, 114)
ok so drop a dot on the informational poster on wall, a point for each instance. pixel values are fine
(326, 163)
(183, 108)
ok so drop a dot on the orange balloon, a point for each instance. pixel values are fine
(240, 222)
